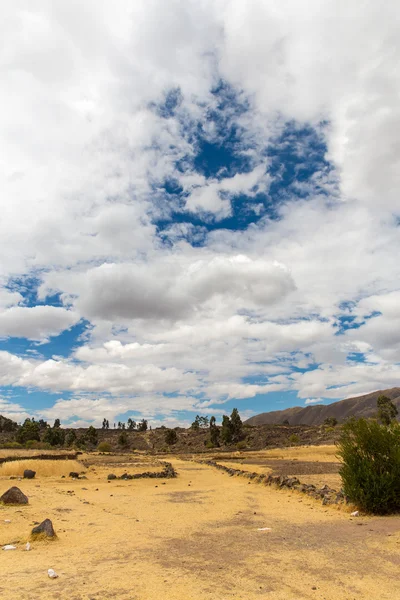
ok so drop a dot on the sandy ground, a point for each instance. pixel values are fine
(192, 538)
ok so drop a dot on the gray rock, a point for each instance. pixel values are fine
(74, 475)
(111, 476)
(46, 528)
(14, 496)
(29, 474)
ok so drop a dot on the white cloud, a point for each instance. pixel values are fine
(313, 401)
(85, 154)
(36, 322)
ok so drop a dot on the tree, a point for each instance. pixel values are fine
(123, 439)
(104, 425)
(70, 438)
(200, 423)
(214, 432)
(226, 430)
(331, 422)
(236, 425)
(285, 422)
(142, 426)
(131, 424)
(55, 436)
(57, 424)
(30, 430)
(43, 424)
(387, 411)
(370, 471)
(171, 437)
(91, 436)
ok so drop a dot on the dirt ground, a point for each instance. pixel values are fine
(191, 538)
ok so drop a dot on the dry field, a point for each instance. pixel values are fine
(194, 537)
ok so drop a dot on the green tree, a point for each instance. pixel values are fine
(196, 423)
(236, 425)
(331, 421)
(214, 432)
(370, 471)
(30, 430)
(123, 439)
(70, 438)
(54, 437)
(57, 424)
(171, 437)
(142, 426)
(387, 411)
(91, 436)
(226, 430)
(131, 424)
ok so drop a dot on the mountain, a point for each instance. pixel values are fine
(360, 406)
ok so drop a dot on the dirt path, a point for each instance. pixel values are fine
(193, 538)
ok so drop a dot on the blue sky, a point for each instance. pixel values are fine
(200, 218)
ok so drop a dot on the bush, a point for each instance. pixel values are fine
(12, 445)
(170, 437)
(241, 445)
(294, 439)
(209, 444)
(33, 445)
(104, 447)
(371, 465)
(123, 439)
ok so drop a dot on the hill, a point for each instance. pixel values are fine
(360, 406)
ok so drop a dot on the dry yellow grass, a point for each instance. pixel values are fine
(195, 538)
(5, 453)
(43, 468)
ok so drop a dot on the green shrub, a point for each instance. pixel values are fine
(170, 437)
(33, 445)
(294, 439)
(209, 444)
(371, 465)
(123, 439)
(12, 445)
(241, 445)
(104, 447)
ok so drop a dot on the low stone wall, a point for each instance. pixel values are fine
(168, 472)
(326, 494)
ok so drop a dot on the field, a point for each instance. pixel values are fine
(195, 537)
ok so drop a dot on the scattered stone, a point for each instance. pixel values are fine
(29, 474)
(45, 528)
(27, 547)
(111, 476)
(74, 475)
(355, 514)
(7, 520)
(14, 496)
(52, 574)
(9, 547)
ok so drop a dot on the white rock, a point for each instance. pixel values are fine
(264, 529)
(355, 514)
(52, 574)
(28, 546)
(7, 520)
(9, 547)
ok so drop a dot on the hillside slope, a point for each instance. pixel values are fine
(360, 406)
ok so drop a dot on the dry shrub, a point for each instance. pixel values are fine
(43, 468)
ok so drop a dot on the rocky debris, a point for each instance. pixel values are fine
(52, 574)
(14, 496)
(168, 472)
(74, 475)
(326, 494)
(355, 514)
(29, 474)
(45, 528)
(9, 547)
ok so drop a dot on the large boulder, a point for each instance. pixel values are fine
(28, 474)
(14, 496)
(45, 528)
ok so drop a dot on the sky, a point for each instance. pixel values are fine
(199, 206)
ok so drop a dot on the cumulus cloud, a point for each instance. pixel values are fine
(105, 204)
(36, 322)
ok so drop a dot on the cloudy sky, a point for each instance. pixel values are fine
(199, 206)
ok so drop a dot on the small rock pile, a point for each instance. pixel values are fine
(168, 472)
(326, 494)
